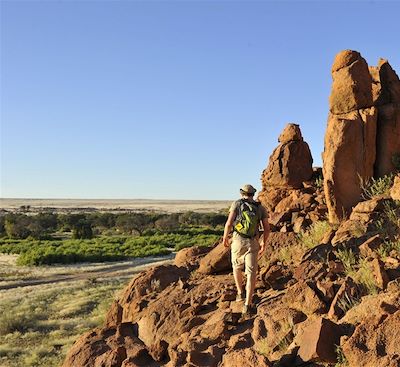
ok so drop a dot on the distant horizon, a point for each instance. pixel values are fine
(110, 199)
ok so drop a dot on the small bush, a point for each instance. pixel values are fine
(348, 259)
(376, 186)
(387, 247)
(11, 322)
(348, 302)
(341, 358)
(314, 234)
(366, 278)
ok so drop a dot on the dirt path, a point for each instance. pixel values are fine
(124, 270)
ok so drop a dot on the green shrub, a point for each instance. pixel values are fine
(341, 358)
(37, 252)
(314, 234)
(376, 186)
(348, 259)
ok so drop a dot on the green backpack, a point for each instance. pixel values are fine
(247, 219)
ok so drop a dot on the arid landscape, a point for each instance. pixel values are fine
(149, 283)
(328, 288)
(79, 205)
(52, 305)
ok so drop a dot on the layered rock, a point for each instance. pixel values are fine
(362, 139)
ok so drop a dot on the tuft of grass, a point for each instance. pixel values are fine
(261, 347)
(365, 277)
(376, 186)
(341, 358)
(389, 223)
(319, 182)
(348, 302)
(358, 269)
(387, 247)
(348, 259)
(314, 234)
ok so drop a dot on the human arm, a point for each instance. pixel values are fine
(228, 227)
(265, 224)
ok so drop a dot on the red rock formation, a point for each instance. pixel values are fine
(291, 163)
(362, 139)
(350, 148)
(387, 98)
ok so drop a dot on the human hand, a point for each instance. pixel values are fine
(225, 241)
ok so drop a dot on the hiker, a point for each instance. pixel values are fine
(244, 218)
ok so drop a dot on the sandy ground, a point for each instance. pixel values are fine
(167, 206)
(13, 276)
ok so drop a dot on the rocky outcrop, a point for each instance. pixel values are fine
(216, 261)
(375, 342)
(350, 148)
(291, 163)
(290, 190)
(362, 139)
(114, 346)
(306, 303)
(386, 94)
(190, 257)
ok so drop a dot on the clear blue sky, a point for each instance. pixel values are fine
(178, 100)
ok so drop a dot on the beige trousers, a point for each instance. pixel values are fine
(244, 251)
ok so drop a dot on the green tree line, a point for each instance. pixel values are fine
(43, 226)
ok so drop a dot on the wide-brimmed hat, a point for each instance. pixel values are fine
(247, 189)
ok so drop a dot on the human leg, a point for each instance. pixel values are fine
(250, 285)
(251, 272)
(238, 275)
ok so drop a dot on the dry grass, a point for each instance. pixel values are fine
(37, 326)
(308, 239)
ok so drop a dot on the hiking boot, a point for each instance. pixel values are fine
(240, 297)
(247, 311)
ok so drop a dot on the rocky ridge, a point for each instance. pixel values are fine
(323, 299)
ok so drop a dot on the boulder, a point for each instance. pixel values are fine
(274, 327)
(317, 340)
(362, 139)
(375, 342)
(190, 257)
(244, 358)
(349, 156)
(352, 83)
(216, 261)
(290, 165)
(302, 297)
(109, 347)
(291, 132)
(140, 290)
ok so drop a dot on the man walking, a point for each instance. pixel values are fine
(244, 218)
